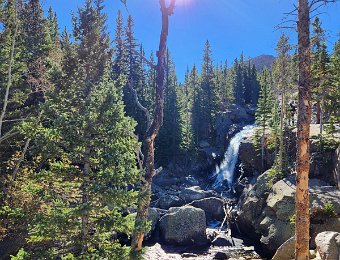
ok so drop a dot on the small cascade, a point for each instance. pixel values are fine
(225, 171)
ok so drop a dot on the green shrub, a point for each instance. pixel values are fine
(329, 209)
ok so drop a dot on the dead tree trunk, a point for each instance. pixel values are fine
(9, 75)
(282, 126)
(152, 132)
(303, 130)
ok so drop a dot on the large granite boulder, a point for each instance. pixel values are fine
(328, 245)
(213, 207)
(268, 211)
(286, 251)
(184, 226)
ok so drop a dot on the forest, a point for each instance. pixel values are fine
(106, 154)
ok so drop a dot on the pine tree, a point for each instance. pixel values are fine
(185, 96)
(168, 141)
(13, 91)
(194, 83)
(281, 74)
(264, 110)
(84, 150)
(38, 44)
(206, 111)
(119, 66)
(239, 81)
(333, 92)
(53, 26)
(134, 73)
(150, 85)
(320, 70)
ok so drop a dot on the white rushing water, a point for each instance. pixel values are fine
(225, 171)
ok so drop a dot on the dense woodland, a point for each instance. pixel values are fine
(71, 123)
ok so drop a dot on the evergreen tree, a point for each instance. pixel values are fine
(168, 140)
(333, 92)
(134, 72)
(239, 81)
(264, 110)
(38, 44)
(194, 85)
(53, 26)
(77, 186)
(119, 67)
(206, 95)
(320, 69)
(282, 82)
(150, 85)
(185, 96)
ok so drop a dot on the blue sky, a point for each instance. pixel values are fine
(231, 26)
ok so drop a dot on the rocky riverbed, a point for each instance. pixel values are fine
(187, 216)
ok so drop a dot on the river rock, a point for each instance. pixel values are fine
(165, 179)
(194, 193)
(221, 256)
(167, 201)
(213, 207)
(184, 226)
(328, 245)
(222, 240)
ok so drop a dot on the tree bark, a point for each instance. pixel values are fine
(152, 132)
(22, 157)
(9, 75)
(85, 200)
(302, 222)
(282, 121)
(318, 112)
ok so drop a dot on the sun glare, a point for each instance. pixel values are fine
(183, 2)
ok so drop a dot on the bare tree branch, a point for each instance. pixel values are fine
(153, 66)
(140, 106)
(320, 3)
(8, 135)
(23, 153)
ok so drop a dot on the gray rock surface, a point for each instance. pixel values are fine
(194, 193)
(251, 159)
(268, 212)
(213, 207)
(222, 240)
(167, 201)
(221, 256)
(328, 245)
(184, 226)
(286, 251)
(153, 217)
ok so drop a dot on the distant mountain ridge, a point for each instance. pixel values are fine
(262, 61)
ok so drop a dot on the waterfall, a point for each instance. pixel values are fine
(225, 171)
